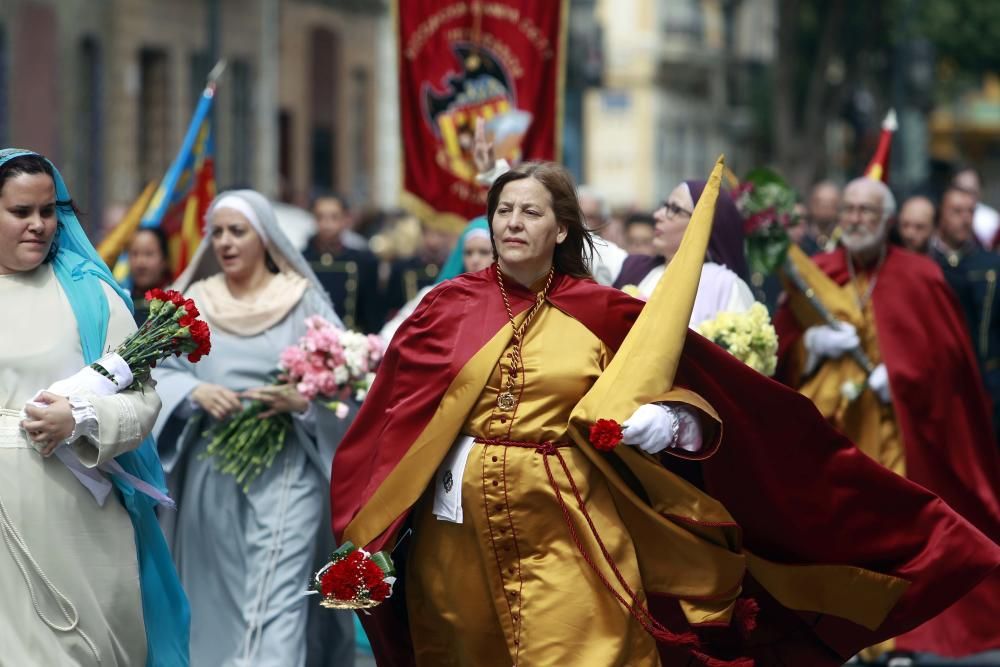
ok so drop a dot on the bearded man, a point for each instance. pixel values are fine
(922, 411)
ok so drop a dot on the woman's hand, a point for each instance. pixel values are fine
(278, 398)
(216, 400)
(50, 425)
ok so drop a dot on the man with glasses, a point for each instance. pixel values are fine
(919, 408)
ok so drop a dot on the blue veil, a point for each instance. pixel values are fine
(80, 270)
(454, 265)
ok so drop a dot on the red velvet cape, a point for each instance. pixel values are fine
(944, 418)
(800, 491)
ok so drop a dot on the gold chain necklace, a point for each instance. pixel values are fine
(863, 298)
(506, 400)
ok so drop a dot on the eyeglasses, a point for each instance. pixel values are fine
(862, 210)
(674, 211)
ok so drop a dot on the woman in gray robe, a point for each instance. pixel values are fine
(246, 557)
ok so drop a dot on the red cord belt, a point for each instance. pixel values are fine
(636, 608)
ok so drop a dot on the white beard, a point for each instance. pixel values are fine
(864, 243)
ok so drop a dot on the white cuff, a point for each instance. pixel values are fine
(689, 436)
(308, 416)
(85, 418)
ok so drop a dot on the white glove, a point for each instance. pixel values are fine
(655, 426)
(878, 382)
(831, 341)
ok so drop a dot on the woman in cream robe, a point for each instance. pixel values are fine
(69, 569)
(723, 286)
(246, 557)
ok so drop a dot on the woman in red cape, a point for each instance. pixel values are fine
(772, 543)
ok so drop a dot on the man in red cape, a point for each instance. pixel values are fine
(928, 417)
(800, 493)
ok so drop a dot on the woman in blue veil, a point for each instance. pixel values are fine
(84, 581)
(472, 252)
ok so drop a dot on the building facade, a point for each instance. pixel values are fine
(107, 88)
(674, 95)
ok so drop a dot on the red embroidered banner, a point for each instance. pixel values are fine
(501, 60)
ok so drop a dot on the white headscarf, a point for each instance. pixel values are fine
(241, 206)
(283, 293)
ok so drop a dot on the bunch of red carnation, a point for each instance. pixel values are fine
(172, 327)
(355, 579)
(192, 336)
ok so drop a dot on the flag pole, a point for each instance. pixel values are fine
(161, 200)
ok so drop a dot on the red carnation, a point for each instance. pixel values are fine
(200, 331)
(192, 310)
(344, 591)
(380, 592)
(156, 294)
(373, 575)
(605, 434)
(201, 335)
(334, 584)
(175, 297)
(186, 321)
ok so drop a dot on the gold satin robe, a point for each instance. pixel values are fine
(869, 424)
(508, 585)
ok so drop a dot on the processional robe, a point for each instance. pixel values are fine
(782, 508)
(937, 431)
(245, 557)
(81, 553)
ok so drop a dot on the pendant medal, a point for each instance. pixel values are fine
(506, 400)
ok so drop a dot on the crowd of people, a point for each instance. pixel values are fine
(736, 520)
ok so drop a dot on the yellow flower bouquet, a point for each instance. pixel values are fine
(749, 336)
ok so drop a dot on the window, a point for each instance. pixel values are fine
(684, 19)
(87, 147)
(360, 130)
(241, 133)
(286, 183)
(323, 139)
(154, 129)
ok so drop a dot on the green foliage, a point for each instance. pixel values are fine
(965, 33)
(767, 204)
(769, 191)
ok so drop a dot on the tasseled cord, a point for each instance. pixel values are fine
(745, 616)
(744, 613)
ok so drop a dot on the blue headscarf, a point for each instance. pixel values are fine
(80, 271)
(455, 264)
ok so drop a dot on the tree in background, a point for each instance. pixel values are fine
(849, 60)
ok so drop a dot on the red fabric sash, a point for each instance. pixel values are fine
(944, 418)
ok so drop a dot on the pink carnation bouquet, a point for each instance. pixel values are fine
(327, 363)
